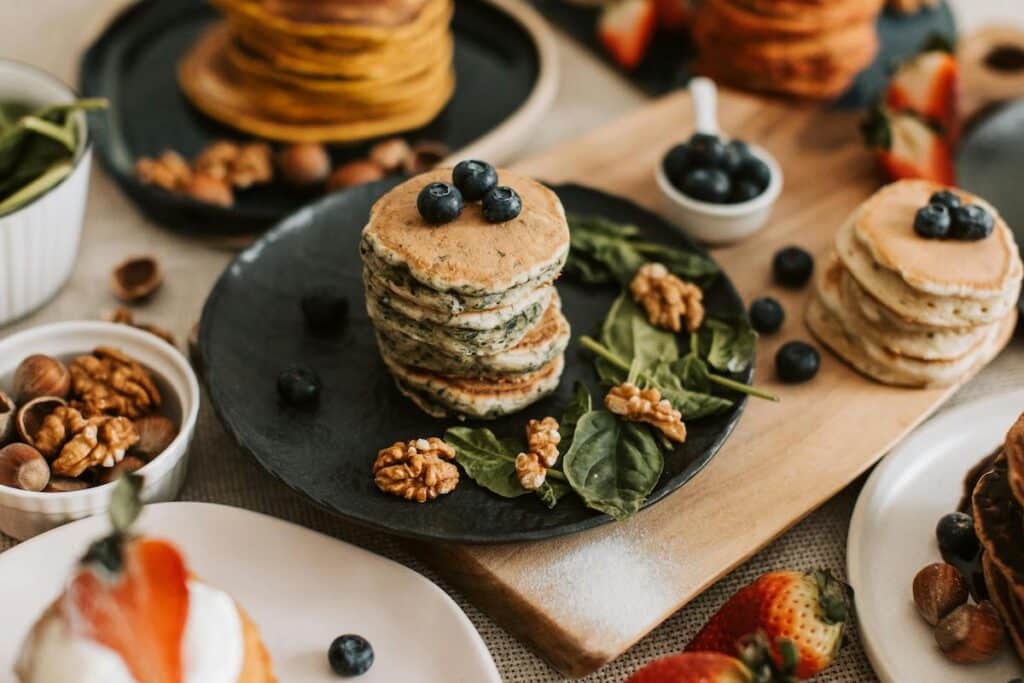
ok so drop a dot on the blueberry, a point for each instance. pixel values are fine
(797, 362)
(707, 185)
(972, 222)
(350, 655)
(933, 221)
(792, 267)
(736, 152)
(744, 191)
(325, 308)
(502, 204)
(439, 203)
(677, 162)
(946, 198)
(756, 171)
(474, 179)
(956, 536)
(298, 385)
(766, 315)
(706, 150)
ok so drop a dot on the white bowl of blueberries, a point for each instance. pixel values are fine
(716, 189)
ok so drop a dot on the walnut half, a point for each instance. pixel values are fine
(101, 442)
(542, 440)
(109, 382)
(646, 405)
(419, 470)
(667, 299)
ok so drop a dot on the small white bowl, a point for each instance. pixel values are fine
(40, 239)
(720, 223)
(27, 513)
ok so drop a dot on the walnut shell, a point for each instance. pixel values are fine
(155, 434)
(40, 375)
(136, 278)
(8, 411)
(30, 416)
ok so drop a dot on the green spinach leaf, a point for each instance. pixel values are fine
(488, 461)
(580, 405)
(728, 346)
(668, 378)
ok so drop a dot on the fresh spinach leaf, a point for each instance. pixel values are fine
(552, 491)
(488, 461)
(628, 334)
(686, 264)
(728, 346)
(612, 465)
(598, 225)
(694, 404)
(580, 405)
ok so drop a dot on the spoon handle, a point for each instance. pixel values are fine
(705, 104)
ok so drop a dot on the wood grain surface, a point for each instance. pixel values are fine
(583, 600)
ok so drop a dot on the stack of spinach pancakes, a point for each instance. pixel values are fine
(918, 294)
(323, 70)
(466, 315)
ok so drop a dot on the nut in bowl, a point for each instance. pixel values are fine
(130, 404)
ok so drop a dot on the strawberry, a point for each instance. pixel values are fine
(928, 85)
(673, 14)
(752, 664)
(906, 147)
(805, 610)
(131, 595)
(626, 28)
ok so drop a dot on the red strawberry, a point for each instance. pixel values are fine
(805, 610)
(928, 85)
(625, 29)
(906, 147)
(752, 665)
(673, 14)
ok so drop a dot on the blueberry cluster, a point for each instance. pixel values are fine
(471, 181)
(945, 216)
(710, 170)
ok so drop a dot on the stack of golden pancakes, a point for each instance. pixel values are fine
(998, 506)
(805, 48)
(466, 316)
(911, 311)
(323, 70)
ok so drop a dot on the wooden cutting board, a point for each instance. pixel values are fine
(583, 600)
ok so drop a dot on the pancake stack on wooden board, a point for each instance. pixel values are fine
(323, 70)
(466, 316)
(911, 311)
(998, 508)
(804, 48)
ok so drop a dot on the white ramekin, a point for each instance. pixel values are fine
(26, 513)
(39, 241)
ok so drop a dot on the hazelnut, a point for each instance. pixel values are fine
(136, 278)
(7, 413)
(425, 155)
(129, 464)
(40, 375)
(354, 173)
(304, 164)
(155, 434)
(205, 188)
(23, 467)
(970, 633)
(390, 154)
(30, 416)
(939, 589)
(65, 484)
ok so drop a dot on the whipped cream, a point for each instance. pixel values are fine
(213, 647)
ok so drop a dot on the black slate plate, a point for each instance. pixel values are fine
(666, 66)
(133, 63)
(252, 328)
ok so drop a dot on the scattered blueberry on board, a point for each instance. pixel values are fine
(474, 179)
(439, 203)
(324, 308)
(792, 267)
(766, 315)
(501, 204)
(957, 537)
(945, 216)
(797, 362)
(298, 385)
(710, 170)
(350, 655)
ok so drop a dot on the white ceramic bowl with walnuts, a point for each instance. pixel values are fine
(26, 513)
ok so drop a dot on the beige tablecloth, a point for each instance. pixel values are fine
(48, 33)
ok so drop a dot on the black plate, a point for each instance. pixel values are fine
(666, 66)
(133, 63)
(252, 328)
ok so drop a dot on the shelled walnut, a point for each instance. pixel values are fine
(168, 171)
(646, 405)
(124, 316)
(109, 382)
(542, 438)
(418, 470)
(101, 442)
(667, 299)
(56, 429)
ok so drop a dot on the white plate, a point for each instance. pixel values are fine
(302, 589)
(892, 536)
